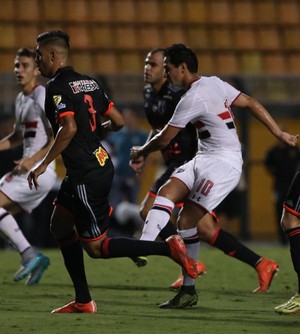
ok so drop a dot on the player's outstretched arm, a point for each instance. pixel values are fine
(261, 113)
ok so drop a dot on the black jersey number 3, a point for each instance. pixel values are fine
(92, 112)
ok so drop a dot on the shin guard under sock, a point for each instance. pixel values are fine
(157, 218)
(125, 247)
(192, 243)
(232, 247)
(73, 258)
(11, 231)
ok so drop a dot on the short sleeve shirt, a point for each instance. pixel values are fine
(31, 120)
(83, 97)
(207, 106)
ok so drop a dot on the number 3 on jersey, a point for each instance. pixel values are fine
(92, 112)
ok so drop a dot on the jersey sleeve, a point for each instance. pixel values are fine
(106, 103)
(231, 92)
(185, 112)
(39, 97)
(61, 100)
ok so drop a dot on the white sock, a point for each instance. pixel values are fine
(11, 231)
(192, 247)
(157, 218)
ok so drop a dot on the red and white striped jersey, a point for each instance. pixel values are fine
(207, 105)
(32, 121)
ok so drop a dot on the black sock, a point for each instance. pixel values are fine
(189, 289)
(167, 231)
(232, 247)
(294, 239)
(125, 247)
(73, 257)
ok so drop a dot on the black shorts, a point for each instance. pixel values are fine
(292, 200)
(88, 203)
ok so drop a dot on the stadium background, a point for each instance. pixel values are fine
(255, 44)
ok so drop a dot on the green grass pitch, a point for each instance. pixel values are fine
(127, 297)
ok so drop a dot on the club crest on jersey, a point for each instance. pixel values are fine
(57, 99)
(101, 156)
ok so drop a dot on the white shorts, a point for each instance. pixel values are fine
(209, 180)
(16, 188)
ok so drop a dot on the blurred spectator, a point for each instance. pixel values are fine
(282, 162)
(126, 183)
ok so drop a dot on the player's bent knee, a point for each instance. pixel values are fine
(206, 235)
(92, 249)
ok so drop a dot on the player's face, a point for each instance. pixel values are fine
(173, 73)
(25, 70)
(154, 68)
(43, 61)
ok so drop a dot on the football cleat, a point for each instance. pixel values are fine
(28, 267)
(183, 299)
(177, 284)
(290, 307)
(36, 274)
(140, 261)
(180, 255)
(74, 307)
(266, 270)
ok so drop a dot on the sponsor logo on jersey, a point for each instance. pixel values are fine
(179, 170)
(61, 106)
(101, 156)
(83, 86)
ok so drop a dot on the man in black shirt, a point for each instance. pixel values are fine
(74, 105)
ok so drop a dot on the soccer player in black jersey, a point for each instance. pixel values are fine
(74, 104)
(160, 100)
(290, 223)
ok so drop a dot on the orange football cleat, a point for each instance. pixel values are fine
(266, 270)
(74, 307)
(180, 255)
(177, 284)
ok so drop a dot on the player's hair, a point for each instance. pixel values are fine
(179, 53)
(26, 52)
(57, 37)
